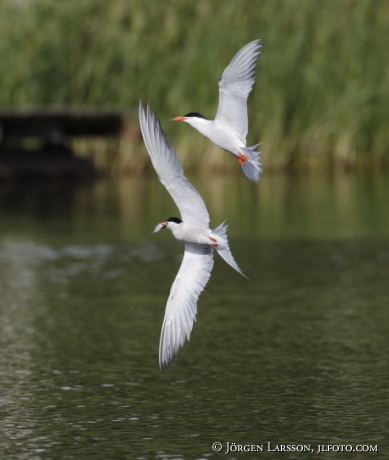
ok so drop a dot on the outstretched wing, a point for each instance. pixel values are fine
(169, 170)
(181, 306)
(235, 86)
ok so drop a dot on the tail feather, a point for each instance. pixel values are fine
(221, 230)
(224, 252)
(252, 168)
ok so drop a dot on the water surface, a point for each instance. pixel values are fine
(298, 355)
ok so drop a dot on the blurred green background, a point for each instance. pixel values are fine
(297, 355)
(320, 101)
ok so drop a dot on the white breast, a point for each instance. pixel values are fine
(190, 233)
(225, 138)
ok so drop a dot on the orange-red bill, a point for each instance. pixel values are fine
(178, 119)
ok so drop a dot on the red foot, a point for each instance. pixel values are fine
(242, 159)
(213, 239)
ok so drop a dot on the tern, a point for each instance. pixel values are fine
(229, 128)
(193, 229)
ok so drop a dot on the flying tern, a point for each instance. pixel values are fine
(193, 229)
(229, 128)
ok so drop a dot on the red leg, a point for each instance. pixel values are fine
(242, 159)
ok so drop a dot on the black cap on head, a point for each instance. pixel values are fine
(195, 114)
(174, 219)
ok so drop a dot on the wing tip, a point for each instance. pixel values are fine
(166, 356)
(168, 350)
(153, 134)
(257, 43)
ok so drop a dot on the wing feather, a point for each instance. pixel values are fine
(181, 306)
(235, 86)
(169, 170)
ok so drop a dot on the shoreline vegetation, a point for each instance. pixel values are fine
(320, 101)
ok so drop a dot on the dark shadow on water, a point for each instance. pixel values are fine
(39, 199)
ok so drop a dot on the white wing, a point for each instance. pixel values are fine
(181, 306)
(169, 170)
(235, 86)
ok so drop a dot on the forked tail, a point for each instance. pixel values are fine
(252, 167)
(225, 252)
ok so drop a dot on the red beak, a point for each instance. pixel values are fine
(178, 119)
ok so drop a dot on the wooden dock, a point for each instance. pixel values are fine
(50, 128)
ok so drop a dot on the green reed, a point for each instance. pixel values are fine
(320, 101)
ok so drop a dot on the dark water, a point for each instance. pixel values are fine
(297, 356)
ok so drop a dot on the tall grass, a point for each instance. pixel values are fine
(321, 98)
